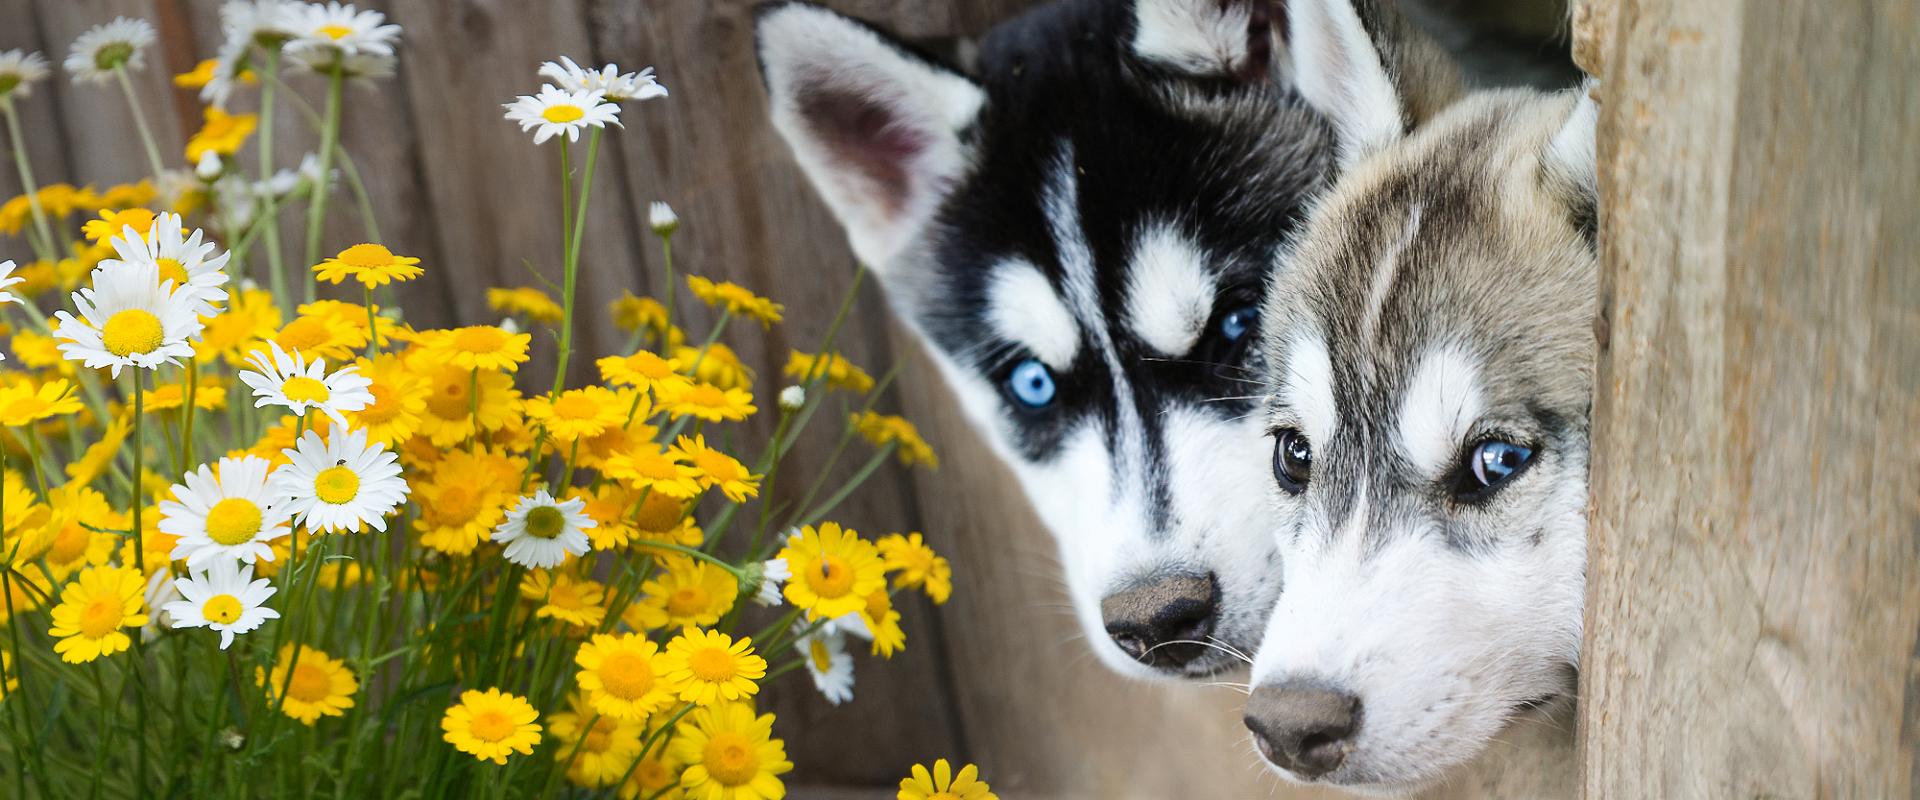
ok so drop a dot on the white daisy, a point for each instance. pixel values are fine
(8, 281)
(288, 380)
(19, 71)
(661, 219)
(340, 483)
(105, 48)
(322, 34)
(225, 598)
(556, 111)
(828, 662)
(609, 81)
(182, 259)
(225, 513)
(268, 23)
(540, 532)
(773, 573)
(128, 318)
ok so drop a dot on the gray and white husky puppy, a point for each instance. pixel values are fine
(1079, 221)
(1429, 347)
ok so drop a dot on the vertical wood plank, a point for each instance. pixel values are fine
(101, 145)
(1754, 588)
(39, 114)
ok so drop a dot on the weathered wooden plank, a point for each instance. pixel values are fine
(1755, 558)
(98, 129)
(39, 114)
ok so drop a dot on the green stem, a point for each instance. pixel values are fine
(45, 247)
(866, 471)
(373, 325)
(186, 427)
(672, 289)
(140, 121)
(329, 140)
(277, 269)
(140, 566)
(573, 237)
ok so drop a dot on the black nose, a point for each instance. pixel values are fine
(1163, 622)
(1306, 730)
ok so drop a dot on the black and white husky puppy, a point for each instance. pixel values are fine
(1430, 350)
(1080, 222)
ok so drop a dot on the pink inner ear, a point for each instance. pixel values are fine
(868, 138)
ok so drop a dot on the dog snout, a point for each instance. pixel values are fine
(1164, 621)
(1307, 730)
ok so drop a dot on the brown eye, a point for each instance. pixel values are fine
(1292, 460)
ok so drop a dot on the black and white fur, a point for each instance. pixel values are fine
(1101, 191)
(1438, 307)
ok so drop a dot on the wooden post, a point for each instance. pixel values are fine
(1754, 584)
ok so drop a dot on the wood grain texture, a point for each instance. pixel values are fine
(1755, 556)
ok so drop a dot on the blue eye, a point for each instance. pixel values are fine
(1237, 322)
(1493, 462)
(1031, 383)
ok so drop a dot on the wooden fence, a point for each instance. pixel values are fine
(1756, 580)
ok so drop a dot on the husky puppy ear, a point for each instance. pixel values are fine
(1226, 39)
(1369, 70)
(874, 124)
(1568, 163)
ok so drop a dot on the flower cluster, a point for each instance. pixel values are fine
(226, 511)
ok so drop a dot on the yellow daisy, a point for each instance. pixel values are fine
(322, 685)
(93, 611)
(486, 347)
(706, 401)
(688, 593)
(883, 623)
(717, 469)
(731, 755)
(834, 570)
(210, 395)
(111, 223)
(577, 413)
(37, 351)
(644, 369)
(399, 400)
(649, 467)
(630, 313)
(656, 777)
(611, 506)
(623, 675)
(942, 784)
(320, 336)
(835, 368)
(665, 519)
(77, 534)
(525, 301)
(596, 450)
(735, 298)
(706, 667)
(25, 404)
(491, 725)
(353, 315)
(100, 455)
(453, 408)
(916, 565)
(467, 496)
(574, 601)
(220, 133)
(600, 753)
(884, 429)
(717, 364)
(370, 264)
(250, 318)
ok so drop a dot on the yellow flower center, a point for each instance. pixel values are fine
(687, 601)
(172, 270)
(600, 737)
(546, 522)
(310, 684)
(336, 485)
(233, 521)
(652, 775)
(449, 400)
(385, 406)
(366, 256)
(456, 505)
(562, 115)
(70, 543)
(731, 759)
(563, 595)
(822, 657)
(706, 394)
(221, 608)
(479, 339)
(626, 674)
(575, 406)
(712, 664)
(134, 331)
(659, 513)
(100, 617)
(302, 389)
(717, 465)
(492, 726)
(334, 32)
(878, 605)
(304, 334)
(28, 407)
(830, 577)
